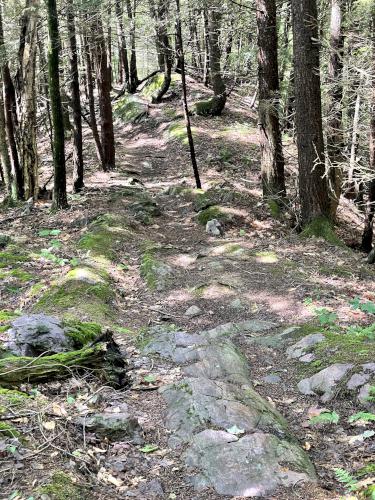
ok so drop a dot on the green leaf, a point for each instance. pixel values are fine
(149, 378)
(49, 232)
(362, 415)
(326, 417)
(149, 448)
(70, 400)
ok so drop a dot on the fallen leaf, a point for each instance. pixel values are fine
(50, 425)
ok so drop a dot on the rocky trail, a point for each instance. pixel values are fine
(234, 342)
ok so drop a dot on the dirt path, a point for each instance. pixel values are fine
(257, 271)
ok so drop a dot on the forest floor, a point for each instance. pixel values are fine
(259, 269)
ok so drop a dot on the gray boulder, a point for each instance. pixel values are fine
(114, 426)
(299, 349)
(324, 382)
(36, 334)
(251, 466)
(214, 228)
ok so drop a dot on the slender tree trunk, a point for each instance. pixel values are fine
(335, 135)
(44, 85)
(26, 89)
(368, 232)
(313, 188)
(272, 159)
(206, 67)
(103, 79)
(11, 122)
(160, 18)
(59, 192)
(91, 101)
(353, 190)
(123, 53)
(133, 80)
(186, 109)
(4, 153)
(75, 101)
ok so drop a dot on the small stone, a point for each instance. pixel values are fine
(272, 379)
(214, 228)
(299, 349)
(237, 304)
(114, 426)
(325, 381)
(151, 489)
(193, 311)
(307, 358)
(357, 380)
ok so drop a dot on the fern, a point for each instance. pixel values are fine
(327, 417)
(362, 415)
(344, 477)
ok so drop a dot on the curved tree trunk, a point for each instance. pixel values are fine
(272, 159)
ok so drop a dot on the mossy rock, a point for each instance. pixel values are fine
(4, 240)
(155, 83)
(63, 487)
(203, 108)
(131, 109)
(7, 430)
(321, 227)
(177, 131)
(212, 213)
(153, 271)
(82, 333)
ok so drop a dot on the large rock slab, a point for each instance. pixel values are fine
(325, 382)
(251, 466)
(197, 402)
(36, 334)
(303, 346)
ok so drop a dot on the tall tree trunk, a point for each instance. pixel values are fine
(368, 232)
(75, 101)
(206, 66)
(11, 121)
(123, 53)
(160, 18)
(59, 192)
(335, 135)
(272, 159)
(4, 153)
(44, 85)
(91, 100)
(133, 80)
(354, 184)
(26, 87)
(103, 79)
(313, 188)
(184, 90)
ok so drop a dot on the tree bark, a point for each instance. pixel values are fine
(368, 232)
(335, 135)
(11, 121)
(59, 192)
(272, 159)
(123, 52)
(103, 80)
(75, 102)
(313, 188)
(6, 166)
(133, 80)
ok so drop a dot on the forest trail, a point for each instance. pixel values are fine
(170, 276)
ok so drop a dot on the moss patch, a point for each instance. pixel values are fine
(130, 109)
(8, 259)
(62, 487)
(211, 213)
(321, 228)
(7, 430)
(177, 131)
(82, 333)
(203, 108)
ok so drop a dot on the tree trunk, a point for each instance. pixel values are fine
(11, 122)
(103, 79)
(91, 101)
(206, 67)
(59, 192)
(160, 18)
(133, 80)
(75, 102)
(123, 53)
(335, 135)
(272, 159)
(184, 89)
(6, 166)
(313, 189)
(354, 187)
(44, 85)
(368, 232)
(26, 88)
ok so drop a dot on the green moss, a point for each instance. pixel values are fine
(148, 267)
(203, 108)
(35, 290)
(274, 208)
(153, 85)
(334, 271)
(8, 259)
(266, 257)
(177, 131)
(211, 213)
(130, 109)
(62, 487)
(8, 396)
(6, 316)
(321, 227)
(21, 275)
(82, 333)
(7, 430)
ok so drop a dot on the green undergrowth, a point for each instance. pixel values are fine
(6, 318)
(203, 108)
(177, 131)
(321, 227)
(10, 259)
(7, 430)
(63, 487)
(210, 213)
